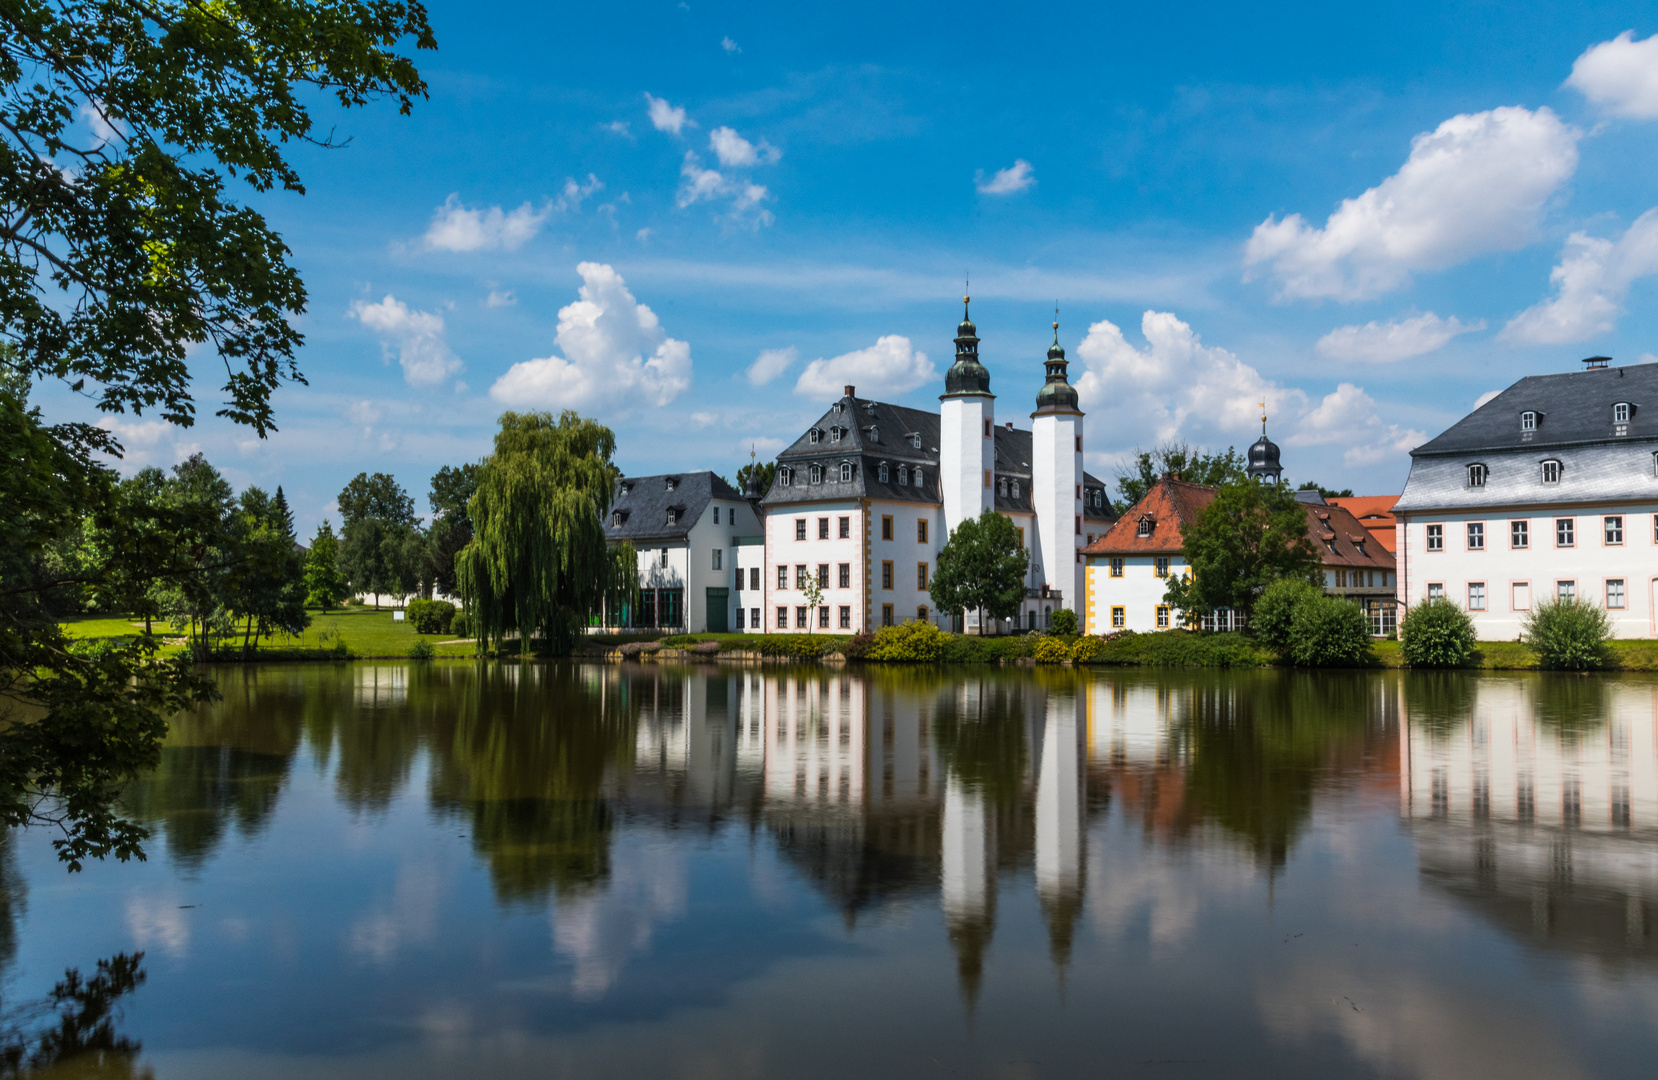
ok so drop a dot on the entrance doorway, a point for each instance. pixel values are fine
(719, 615)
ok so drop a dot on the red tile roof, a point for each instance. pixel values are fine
(1375, 513)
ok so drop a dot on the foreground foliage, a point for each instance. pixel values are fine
(1250, 536)
(981, 568)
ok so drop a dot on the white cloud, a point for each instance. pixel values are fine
(615, 353)
(666, 117)
(148, 442)
(105, 129)
(770, 364)
(1011, 180)
(730, 46)
(1399, 339)
(1621, 76)
(1489, 395)
(734, 151)
(619, 127)
(573, 194)
(500, 298)
(710, 185)
(456, 228)
(1590, 283)
(1179, 389)
(642, 235)
(417, 337)
(1478, 183)
(887, 368)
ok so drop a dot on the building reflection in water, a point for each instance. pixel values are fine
(1535, 801)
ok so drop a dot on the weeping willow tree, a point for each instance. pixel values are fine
(538, 564)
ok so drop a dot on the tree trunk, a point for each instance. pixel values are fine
(247, 637)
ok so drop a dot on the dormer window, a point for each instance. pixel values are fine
(784, 476)
(1016, 489)
(1551, 472)
(627, 486)
(839, 406)
(1147, 524)
(915, 439)
(1360, 545)
(1001, 487)
(881, 471)
(817, 474)
(813, 435)
(903, 475)
(1476, 475)
(673, 516)
(673, 482)
(874, 434)
(1528, 421)
(846, 472)
(915, 478)
(617, 518)
(835, 434)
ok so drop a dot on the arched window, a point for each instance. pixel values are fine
(784, 476)
(1001, 486)
(874, 434)
(1477, 475)
(846, 472)
(915, 440)
(1016, 489)
(882, 472)
(817, 474)
(915, 477)
(1146, 525)
(1551, 472)
(921, 613)
(903, 475)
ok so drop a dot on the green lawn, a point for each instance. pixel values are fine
(364, 632)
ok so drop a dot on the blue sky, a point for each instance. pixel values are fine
(695, 221)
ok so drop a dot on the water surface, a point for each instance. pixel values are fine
(552, 870)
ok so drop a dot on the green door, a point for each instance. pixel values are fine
(719, 617)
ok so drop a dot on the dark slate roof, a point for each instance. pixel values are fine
(1575, 407)
(644, 501)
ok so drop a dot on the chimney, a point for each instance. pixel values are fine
(1595, 363)
(851, 391)
(1010, 425)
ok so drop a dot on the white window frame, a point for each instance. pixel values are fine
(1476, 536)
(846, 472)
(719, 559)
(881, 471)
(1617, 597)
(1434, 539)
(1476, 596)
(1565, 589)
(1565, 528)
(1520, 529)
(1436, 590)
(1620, 413)
(1528, 421)
(1612, 530)
(1552, 470)
(1477, 474)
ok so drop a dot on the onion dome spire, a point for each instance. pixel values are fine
(966, 376)
(1264, 463)
(1057, 394)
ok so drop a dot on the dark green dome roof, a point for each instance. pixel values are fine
(1057, 394)
(966, 375)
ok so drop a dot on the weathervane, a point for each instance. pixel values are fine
(1263, 417)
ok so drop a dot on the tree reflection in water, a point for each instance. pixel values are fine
(80, 1039)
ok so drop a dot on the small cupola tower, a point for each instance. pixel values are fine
(1056, 481)
(1263, 455)
(966, 422)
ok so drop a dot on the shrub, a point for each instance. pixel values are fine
(460, 625)
(677, 641)
(1064, 623)
(911, 642)
(431, 616)
(1051, 650)
(795, 646)
(706, 648)
(421, 650)
(1326, 631)
(1437, 634)
(635, 648)
(858, 647)
(1568, 635)
(1275, 611)
(1085, 649)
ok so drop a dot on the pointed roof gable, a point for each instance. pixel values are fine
(1171, 505)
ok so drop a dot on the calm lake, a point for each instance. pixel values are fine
(567, 870)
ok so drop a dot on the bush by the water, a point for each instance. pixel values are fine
(1568, 635)
(421, 650)
(1437, 634)
(1051, 650)
(431, 616)
(912, 642)
(798, 646)
(1064, 623)
(1084, 649)
(1327, 631)
(460, 625)
(1275, 611)
(1174, 648)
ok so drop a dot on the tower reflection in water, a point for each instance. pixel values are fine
(1535, 801)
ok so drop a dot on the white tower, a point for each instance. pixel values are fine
(1056, 481)
(966, 421)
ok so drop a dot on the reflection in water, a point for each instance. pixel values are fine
(73, 1032)
(1538, 806)
(523, 854)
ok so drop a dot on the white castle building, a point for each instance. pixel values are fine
(867, 496)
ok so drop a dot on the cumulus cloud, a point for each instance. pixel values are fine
(1177, 388)
(1620, 76)
(500, 298)
(747, 199)
(887, 368)
(736, 152)
(666, 117)
(615, 353)
(1477, 183)
(456, 227)
(770, 364)
(1399, 339)
(415, 337)
(148, 442)
(619, 127)
(730, 46)
(573, 194)
(105, 128)
(1009, 181)
(1590, 283)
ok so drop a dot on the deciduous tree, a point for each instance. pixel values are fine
(982, 568)
(1251, 535)
(1191, 464)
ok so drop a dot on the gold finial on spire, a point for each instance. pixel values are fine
(1056, 322)
(1263, 417)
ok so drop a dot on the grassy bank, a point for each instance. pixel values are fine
(352, 633)
(1639, 655)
